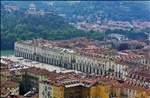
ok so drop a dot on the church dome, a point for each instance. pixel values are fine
(32, 6)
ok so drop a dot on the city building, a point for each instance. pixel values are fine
(81, 85)
(79, 54)
(4, 93)
(32, 76)
(15, 76)
(11, 8)
(10, 86)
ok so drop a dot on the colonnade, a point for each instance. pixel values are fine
(87, 68)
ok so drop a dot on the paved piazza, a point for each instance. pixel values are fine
(32, 63)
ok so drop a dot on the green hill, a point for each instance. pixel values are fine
(18, 26)
(111, 10)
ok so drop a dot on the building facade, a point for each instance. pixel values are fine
(10, 86)
(32, 76)
(89, 60)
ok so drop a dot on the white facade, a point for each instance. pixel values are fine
(68, 59)
(45, 91)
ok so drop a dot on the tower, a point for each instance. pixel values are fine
(32, 9)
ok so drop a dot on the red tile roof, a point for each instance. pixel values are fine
(9, 84)
(37, 71)
(148, 91)
(3, 91)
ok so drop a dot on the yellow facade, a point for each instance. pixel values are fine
(104, 90)
(13, 90)
(101, 91)
(4, 93)
(85, 92)
(93, 91)
(143, 95)
(5, 78)
(98, 91)
(15, 78)
(58, 91)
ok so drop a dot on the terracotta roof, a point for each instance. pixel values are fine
(18, 73)
(148, 91)
(37, 71)
(137, 88)
(147, 57)
(6, 73)
(74, 79)
(11, 73)
(8, 84)
(3, 91)
(4, 68)
(133, 42)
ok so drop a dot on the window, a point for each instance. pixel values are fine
(49, 88)
(61, 89)
(46, 88)
(142, 96)
(49, 93)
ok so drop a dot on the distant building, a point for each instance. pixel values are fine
(11, 8)
(133, 44)
(32, 11)
(118, 37)
(62, 15)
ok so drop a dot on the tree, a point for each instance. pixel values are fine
(138, 47)
(123, 46)
(22, 89)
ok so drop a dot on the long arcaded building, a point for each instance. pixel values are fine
(77, 55)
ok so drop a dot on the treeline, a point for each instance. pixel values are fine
(110, 10)
(18, 26)
(81, 10)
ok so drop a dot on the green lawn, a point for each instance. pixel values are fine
(6, 52)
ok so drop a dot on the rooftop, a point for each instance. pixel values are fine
(72, 79)
(9, 84)
(37, 71)
(3, 91)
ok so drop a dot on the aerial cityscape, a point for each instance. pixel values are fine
(75, 49)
